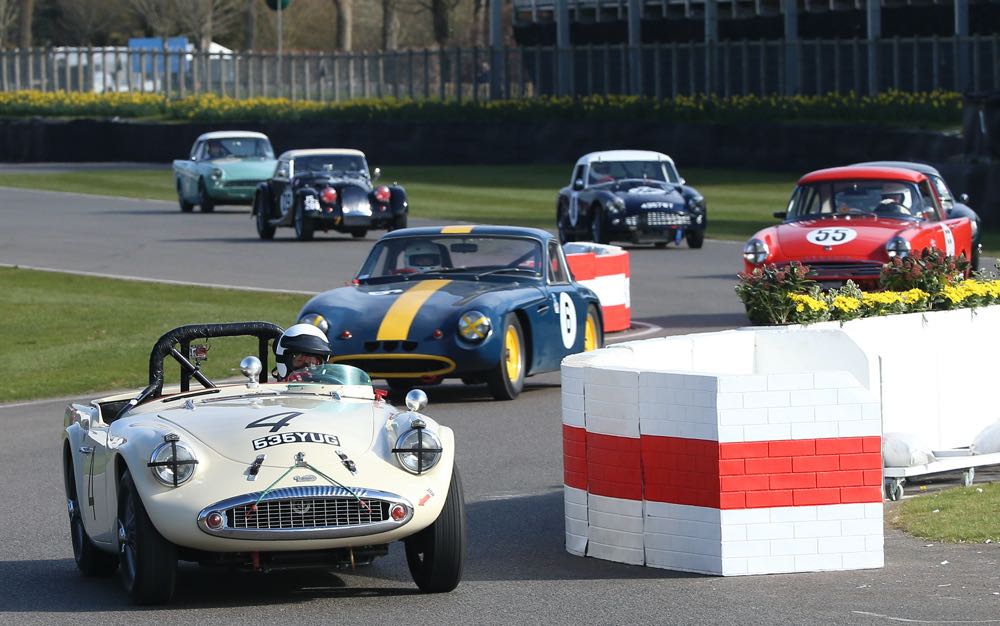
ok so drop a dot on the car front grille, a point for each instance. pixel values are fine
(398, 365)
(321, 511)
(390, 346)
(240, 183)
(658, 218)
(845, 270)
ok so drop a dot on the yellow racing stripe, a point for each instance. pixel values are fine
(396, 323)
(456, 229)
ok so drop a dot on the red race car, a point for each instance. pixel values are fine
(846, 222)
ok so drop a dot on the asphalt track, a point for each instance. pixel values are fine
(509, 453)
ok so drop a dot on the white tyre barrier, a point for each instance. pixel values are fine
(605, 270)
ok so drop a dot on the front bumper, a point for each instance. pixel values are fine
(655, 225)
(232, 193)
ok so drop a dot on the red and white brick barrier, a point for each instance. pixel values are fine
(605, 270)
(742, 452)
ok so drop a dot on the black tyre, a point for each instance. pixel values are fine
(695, 238)
(304, 227)
(436, 555)
(597, 233)
(507, 379)
(562, 223)
(186, 207)
(264, 228)
(660, 244)
(398, 222)
(974, 261)
(593, 331)
(204, 200)
(148, 561)
(359, 233)
(90, 560)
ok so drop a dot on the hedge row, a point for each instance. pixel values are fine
(935, 108)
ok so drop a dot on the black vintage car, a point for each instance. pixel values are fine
(327, 189)
(630, 195)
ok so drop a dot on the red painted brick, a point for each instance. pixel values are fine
(765, 499)
(840, 479)
(574, 433)
(771, 465)
(746, 450)
(800, 480)
(744, 483)
(729, 467)
(734, 500)
(861, 461)
(813, 497)
(827, 463)
(573, 464)
(871, 444)
(613, 489)
(792, 447)
(576, 480)
(860, 494)
(873, 477)
(844, 445)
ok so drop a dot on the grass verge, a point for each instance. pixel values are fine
(65, 335)
(959, 514)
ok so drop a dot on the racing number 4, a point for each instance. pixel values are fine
(276, 425)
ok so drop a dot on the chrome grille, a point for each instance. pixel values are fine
(658, 218)
(844, 270)
(240, 183)
(308, 513)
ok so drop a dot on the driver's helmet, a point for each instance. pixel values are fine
(300, 339)
(896, 194)
(422, 256)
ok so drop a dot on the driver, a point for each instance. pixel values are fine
(299, 348)
(422, 256)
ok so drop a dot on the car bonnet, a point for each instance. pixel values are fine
(666, 197)
(280, 426)
(837, 237)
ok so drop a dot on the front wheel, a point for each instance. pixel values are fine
(695, 238)
(148, 561)
(436, 554)
(303, 225)
(593, 334)
(204, 200)
(265, 230)
(561, 224)
(506, 380)
(597, 227)
(359, 233)
(186, 207)
(398, 222)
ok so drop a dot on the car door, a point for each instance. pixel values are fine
(562, 321)
(281, 189)
(99, 509)
(188, 174)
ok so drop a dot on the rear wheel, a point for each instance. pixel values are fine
(398, 222)
(436, 554)
(148, 561)
(264, 228)
(597, 226)
(204, 200)
(303, 225)
(359, 233)
(507, 379)
(89, 559)
(593, 337)
(186, 207)
(695, 238)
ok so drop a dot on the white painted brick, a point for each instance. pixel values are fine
(770, 530)
(699, 431)
(857, 395)
(654, 411)
(818, 529)
(765, 399)
(700, 382)
(740, 384)
(745, 516)
(768, 432)
(631, 556)
(705, 399)
(818, 562)
(575, 511)
(864, 560)
(785, 547)
(576, 527)
(574, 417)
(572, 386)
(703, 415)
(789, 382)
(613, 521)
(612, 537)
(862, 526)
(660, 380)
(834, 380)
(813, 397)
(841, 545)
(678, 543)
(683, 512)
(820, 430)
(682, 528)
(740, 417)
(788, 415)
(864, 428)
(729, 401)
(573, 495)
(841, 511)
(574, 402)
(618, 506)
(611, 409)
(746, 548)
(871, 411)
(793, 514)
(731, 433)
(770, 564)
(874, 543)
(734, 532)
(734, 567)
(576, 544)
(874, 510)
(683, 562)
(838, 413)
(612, 426)
(619, 378)
(660, 428)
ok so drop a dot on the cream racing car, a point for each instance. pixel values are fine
(256, 475)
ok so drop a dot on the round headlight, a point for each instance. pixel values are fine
(897, 246)
(755, 252)
(698, 203)
(216, 173)
(172, 463)
(474, 326)
(317, 320)
(418, 450)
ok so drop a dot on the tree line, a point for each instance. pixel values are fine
(344, 25)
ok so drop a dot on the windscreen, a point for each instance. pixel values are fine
(454, 254)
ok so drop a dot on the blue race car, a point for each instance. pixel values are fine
(487, 304)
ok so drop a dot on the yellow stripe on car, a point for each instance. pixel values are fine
(456, 229)
(396, 323)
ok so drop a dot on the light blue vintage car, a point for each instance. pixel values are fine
(224, 167)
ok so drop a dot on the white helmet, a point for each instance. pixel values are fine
(299, 339)
(423, 256)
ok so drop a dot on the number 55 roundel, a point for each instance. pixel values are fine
(831, 236)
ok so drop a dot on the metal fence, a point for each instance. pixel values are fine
(656, 70)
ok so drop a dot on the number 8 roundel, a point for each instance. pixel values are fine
(831, 236)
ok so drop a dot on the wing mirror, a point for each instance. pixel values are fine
(578, 184)
(963, 198)
(780, 214)
(683, 180)
(376, 174)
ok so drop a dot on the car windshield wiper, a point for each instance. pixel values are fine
(504, 270)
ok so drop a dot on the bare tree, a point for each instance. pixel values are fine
(8, 15)
(26, 23)
(159, 16)
(441, 17)
(250, 25)
(84, 20)
(203, 18)
(390, 25)
(345, 21)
